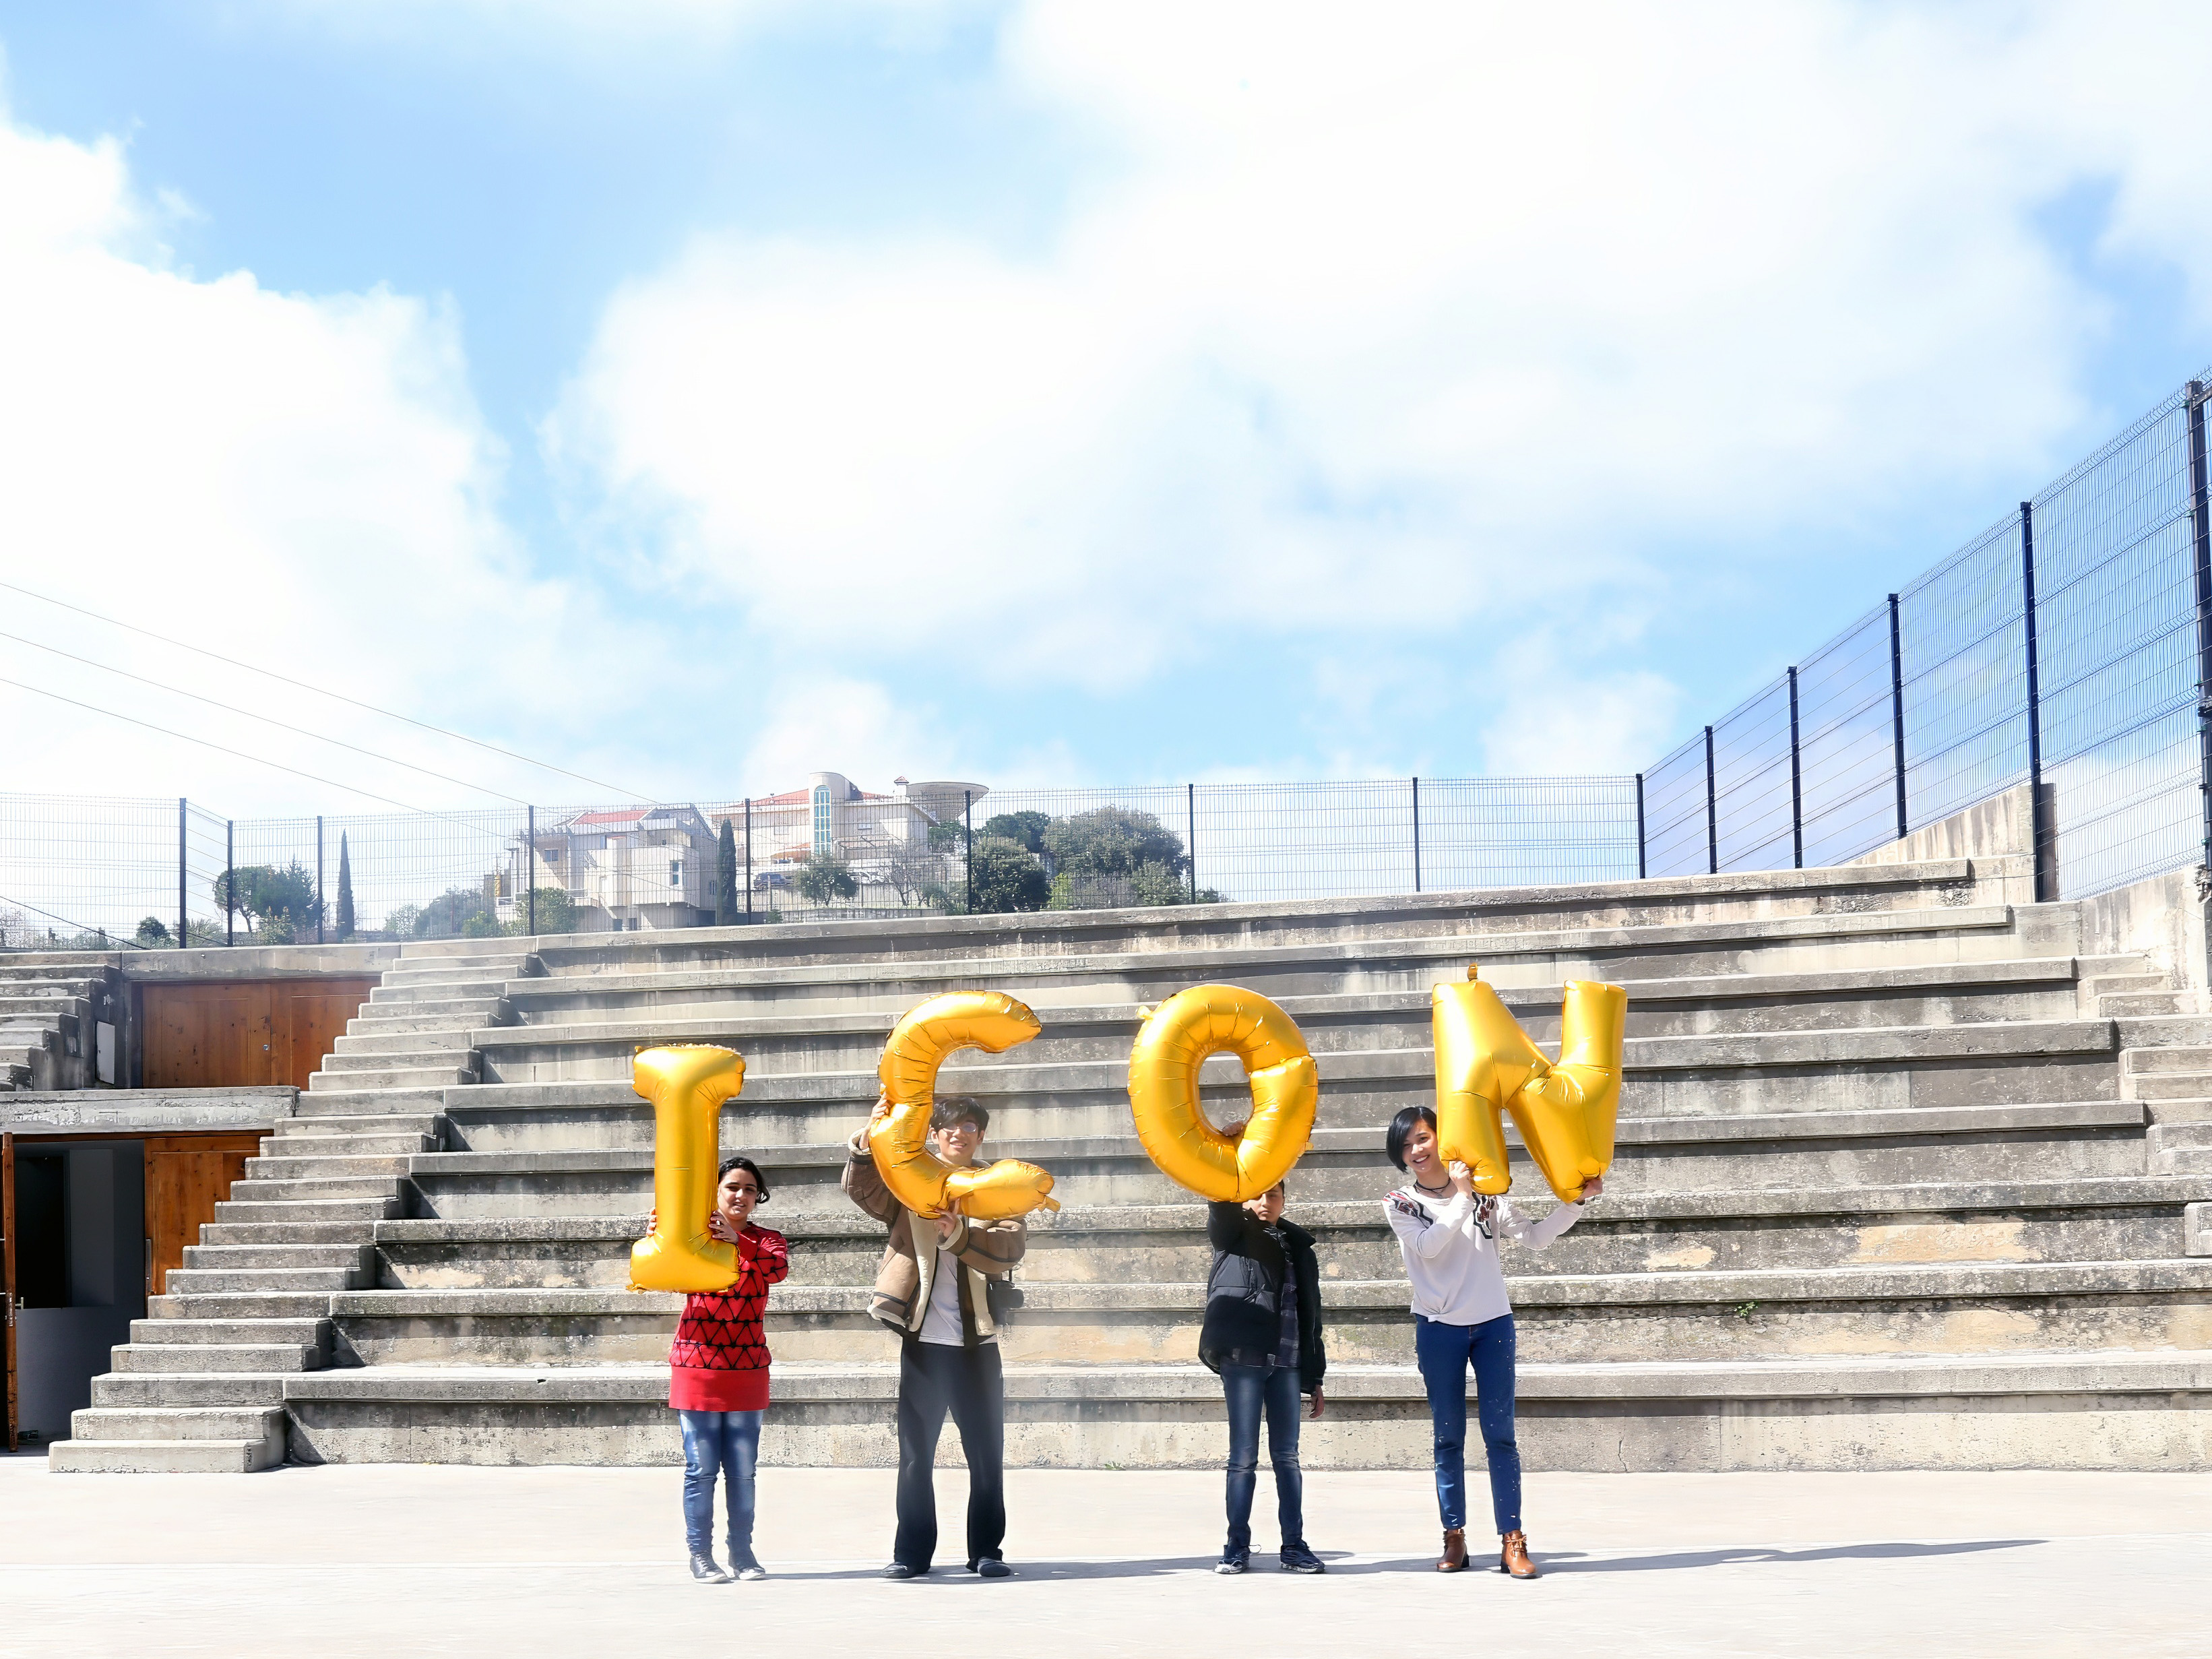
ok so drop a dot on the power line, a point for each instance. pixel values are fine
(212, 703)
(340, 696)
(187, 737)
(119, 938)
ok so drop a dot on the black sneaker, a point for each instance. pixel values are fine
(744, 1567)
(704, 1570)
(1297, 1557)
(1233, 1561)
(900, 1569)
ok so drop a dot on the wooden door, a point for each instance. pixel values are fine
(308, 1016)
(209, 1036)
(186, 1176)
(8, 1270)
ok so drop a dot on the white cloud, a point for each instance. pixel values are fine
(1428, 328)
(831, 722)
(301, 481)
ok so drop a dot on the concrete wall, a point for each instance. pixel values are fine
(60, 1350)
(156, 1111)
(1998, 835)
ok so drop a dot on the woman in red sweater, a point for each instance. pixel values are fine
(718, 1376)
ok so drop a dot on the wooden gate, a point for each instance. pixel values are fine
(186, 1176)
(240, 1033)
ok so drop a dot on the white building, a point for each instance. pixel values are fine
(629, 866)
(883, 838)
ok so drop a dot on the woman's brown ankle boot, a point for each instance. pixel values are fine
(1454, 1559)
(1513, 1556)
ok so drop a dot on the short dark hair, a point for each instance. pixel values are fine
(750, 1167)
(1402, 1125)
(960, 1109)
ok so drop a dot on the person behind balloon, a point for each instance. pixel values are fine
(1262, 1335)
(932, 1289)
(1448, 1233)
(717, 1375)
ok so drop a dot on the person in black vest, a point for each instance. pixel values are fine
(1262, 1335)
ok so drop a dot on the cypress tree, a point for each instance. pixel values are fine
(345, 889)
(725, 877)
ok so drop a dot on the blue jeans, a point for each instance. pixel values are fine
(1445, 1351)
(729, 1441)
(1251, 1389)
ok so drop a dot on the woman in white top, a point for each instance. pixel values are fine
(1448, 1233)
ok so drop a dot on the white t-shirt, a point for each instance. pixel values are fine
(941, 1323)
(1450, 1248)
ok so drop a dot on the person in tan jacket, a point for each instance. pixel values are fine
(932, 1289)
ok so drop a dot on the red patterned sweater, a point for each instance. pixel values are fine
(720, 1359)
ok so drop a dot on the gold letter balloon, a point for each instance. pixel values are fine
(1163, 1067)
(1486, 1064)
(687, 1085)
(922, 1041)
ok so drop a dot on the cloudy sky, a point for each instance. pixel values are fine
(693, 393)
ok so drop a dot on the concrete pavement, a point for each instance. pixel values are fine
(382, 1559)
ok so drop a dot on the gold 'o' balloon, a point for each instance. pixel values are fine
(919, 1044)
(1486, 1064)
(687, 1085)
(1163, 1068)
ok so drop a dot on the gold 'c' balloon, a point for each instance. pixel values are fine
(922, 1041)
(1485, 1063)
(1163, 1067)
(687, 1084)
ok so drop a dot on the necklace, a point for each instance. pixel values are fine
(1421, 1186)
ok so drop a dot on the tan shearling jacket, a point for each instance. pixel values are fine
(984, 1250)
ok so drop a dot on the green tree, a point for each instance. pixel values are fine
(277, 904)
(1113, 841)
(726, 877)
(400, 923)
(448, 914)
(556, 913)
(345, 889)
(824, 876)
(946, 834)
(153, 933)
(1007, 877)
(1025, 829)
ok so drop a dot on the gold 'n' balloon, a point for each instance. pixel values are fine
(687, 1084)
(1486, 1065)
(920, 1044)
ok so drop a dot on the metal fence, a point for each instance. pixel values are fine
(2063, 648)
(137, 874)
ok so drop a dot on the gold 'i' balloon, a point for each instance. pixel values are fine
(687, 1085)
(1486, 1064)
(1279, 1070)
(923, 1039)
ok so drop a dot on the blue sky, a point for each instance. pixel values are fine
(696, 394)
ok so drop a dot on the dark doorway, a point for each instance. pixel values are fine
(42, 1251)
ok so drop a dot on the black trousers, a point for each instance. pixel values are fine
(966, 1382)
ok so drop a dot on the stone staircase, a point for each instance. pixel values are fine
(200, 1386)
(48, 1015)
(1905, 1180)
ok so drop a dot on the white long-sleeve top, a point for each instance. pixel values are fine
(1450, 1248)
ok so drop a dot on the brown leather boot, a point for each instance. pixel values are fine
(1513, 1556)
(1454, 1559)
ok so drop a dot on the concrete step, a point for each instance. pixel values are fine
(2179, 1111)
(203, 1356)
(402, 1042)
(1998, 1222)
(394, 1078)
(161, 1456)
(252, 1191)
(188, 1331)
(329, 1100)
(258, 1276)
(2172, 1057)
(344, 1256)
(182, 1389)
(339, 1167)
(281, 1147)
(2170, 1085)
(1891, 1410)
(144, 1422)
(305, 1129)
(289, 1235)
(320, 1211)
(2141, 1003)
(397, 1019)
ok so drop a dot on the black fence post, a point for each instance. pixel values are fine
(749, 855)
(1713, 816)
(2201, 500)
(230, 881)
(968, 823)
(1417, 834)
(530, 872)
(1640, 827)
(1190, 832)
(1897, 709)
(180, 873)
(2038, 832)
(318, 878)
(1796, 785)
